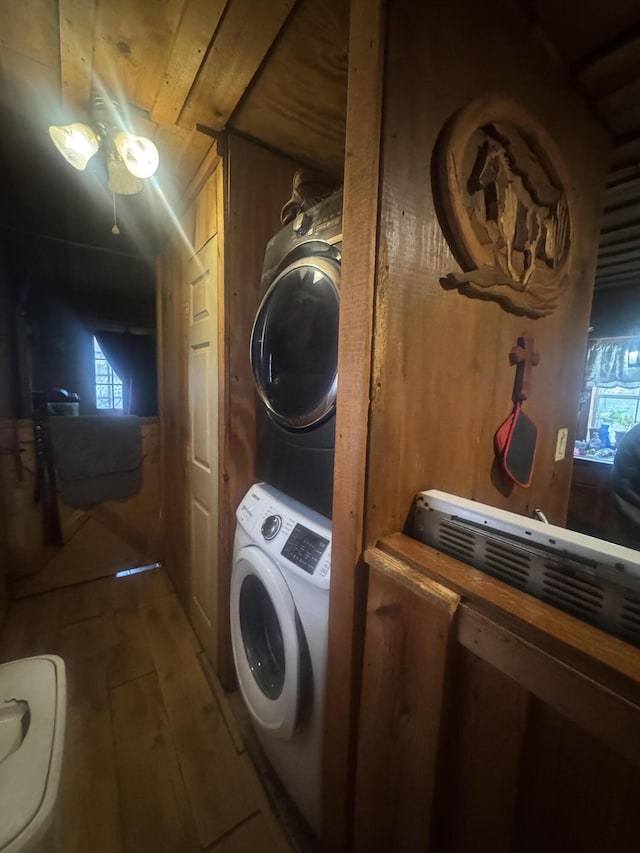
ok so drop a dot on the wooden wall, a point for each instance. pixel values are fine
(437, 383)
(296, 101)
(172, 406)
(442, 381)
(257, 183)
(504, 725)
(135, 520)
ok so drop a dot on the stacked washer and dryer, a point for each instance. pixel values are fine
(282, 552)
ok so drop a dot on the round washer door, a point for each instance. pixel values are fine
(294, 343)
(266, 647)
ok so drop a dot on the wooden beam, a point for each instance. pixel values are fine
(614, 270)
(181, 153)
(611, 273)
(613, 69)
(409, 620)
(618, 234)
(416, 582)
(198, 24)
(619, 109)
(77, 25)
(626, 152)
(600, 656)
(277, 110)
(621, 216)
(611, 260)
(355, 352)
(132, 45)
(623, 178)
(30, 60)
(592, 706)
(612, 250)
(244, 36)
(620, 281)
(31, 30)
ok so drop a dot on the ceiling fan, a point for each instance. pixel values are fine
(130, 158)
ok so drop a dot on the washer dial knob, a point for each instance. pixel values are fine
(270, 526)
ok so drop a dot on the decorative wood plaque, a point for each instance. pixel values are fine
(501, 192)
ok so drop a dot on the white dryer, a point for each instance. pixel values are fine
(279, 630)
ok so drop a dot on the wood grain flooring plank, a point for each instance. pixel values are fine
(31, 626)
(221, 785)
(155, 811)
(85, 647)
(89, 799)
(123, 591)
(129, 655)
(89, 816)
(152, 584)
(93, 552)
(84, 601)
(175, 622)
(223, 703)
(258, 833)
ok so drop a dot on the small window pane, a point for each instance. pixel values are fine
(107, 382)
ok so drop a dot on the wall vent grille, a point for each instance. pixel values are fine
(630, 618)
(456, 542)
(580, 596)
(562, 582)
(507, 563)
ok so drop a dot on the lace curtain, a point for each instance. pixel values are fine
(609, 363)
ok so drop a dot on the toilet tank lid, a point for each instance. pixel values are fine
(31, 757)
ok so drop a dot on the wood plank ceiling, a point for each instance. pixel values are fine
(181, 68)
(274, 70)
(599, 43)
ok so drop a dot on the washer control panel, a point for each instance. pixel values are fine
(271, 526)
(304, 548)
(292, 535)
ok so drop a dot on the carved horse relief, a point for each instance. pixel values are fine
(501, 193)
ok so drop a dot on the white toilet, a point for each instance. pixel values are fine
(33, 701)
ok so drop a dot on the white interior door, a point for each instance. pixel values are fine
(202, 282)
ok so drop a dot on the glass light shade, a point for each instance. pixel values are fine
(121, 181)
(76, 142)
(140, 155)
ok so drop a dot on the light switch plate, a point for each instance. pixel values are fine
(561, 444)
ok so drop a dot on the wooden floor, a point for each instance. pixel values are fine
(153, 758)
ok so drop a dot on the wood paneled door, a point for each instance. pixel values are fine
(203, 275)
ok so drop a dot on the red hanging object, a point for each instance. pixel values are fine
(515, 441)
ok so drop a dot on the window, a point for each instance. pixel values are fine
(108, 383)
(617, 407)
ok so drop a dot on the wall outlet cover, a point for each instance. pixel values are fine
(561, 444)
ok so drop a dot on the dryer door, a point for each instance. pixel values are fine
(294, 343)
(268, 648)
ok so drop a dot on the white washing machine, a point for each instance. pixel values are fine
(279, 630)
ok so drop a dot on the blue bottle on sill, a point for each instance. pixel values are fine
(603, 435)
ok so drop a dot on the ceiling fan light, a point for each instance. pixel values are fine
(121, 181)
(139, 154)
(76, 142)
